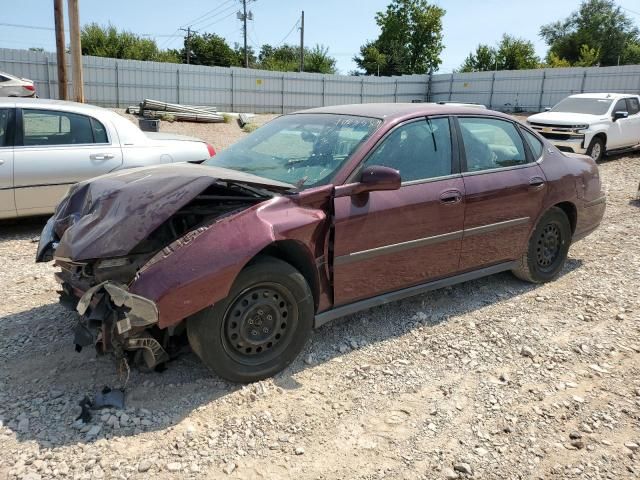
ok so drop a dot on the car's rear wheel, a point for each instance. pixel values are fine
(260, 327)
(547, 249)
(596, 149)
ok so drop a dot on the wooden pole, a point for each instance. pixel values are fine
(76, 51)
(60, 56)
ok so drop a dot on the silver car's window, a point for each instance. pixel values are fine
(418, 150)
(490, 143)
(46, 127)
(5, 115)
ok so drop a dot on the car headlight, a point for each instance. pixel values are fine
(580, 128)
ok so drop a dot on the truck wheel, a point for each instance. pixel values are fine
(260, 327)
(596, 149)
(547, 249)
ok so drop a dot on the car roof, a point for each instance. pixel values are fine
(21, 102)
(612, 96)
(390, 111)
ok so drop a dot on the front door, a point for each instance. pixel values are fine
(7, 203)
(389, 240)
(505, 189)
(58, 149)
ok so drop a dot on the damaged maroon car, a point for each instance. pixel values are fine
(314, 216)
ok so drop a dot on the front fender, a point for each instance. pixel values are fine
(199, 269)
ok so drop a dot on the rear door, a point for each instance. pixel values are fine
(57, 149)
(7, 202)
(389, 240)
(505, 188)
(623, 131)
(633, 107)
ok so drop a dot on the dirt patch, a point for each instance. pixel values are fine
(431, 387)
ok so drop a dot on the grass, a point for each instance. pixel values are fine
(167, 117)
(250, 127)
(228, 118)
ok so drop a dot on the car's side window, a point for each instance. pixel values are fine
(535, 144)
(419, 150)
(621, 106)
(633, 105)
(491, 143)
(99, 132)
(3, 79)
(44, 127)
(5, 119)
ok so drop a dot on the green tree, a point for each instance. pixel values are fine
(410, 39)
(601, 25)
(286, 58)
(109, 42)
(483, 59)
(210, 49)
(588, 57)
(318, 60)
(516, 54)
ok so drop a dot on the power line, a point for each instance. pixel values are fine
(221, 19)
(206, 14)
(290, 32)
(629, 10)
(32, 27)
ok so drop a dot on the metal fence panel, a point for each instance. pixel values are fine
(119, 83)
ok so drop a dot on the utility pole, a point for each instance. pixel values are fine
(188, 30)
(244, 16)
(76, 50)
(61, 61)
(302, 42)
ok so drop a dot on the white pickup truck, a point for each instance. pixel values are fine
(592, 123)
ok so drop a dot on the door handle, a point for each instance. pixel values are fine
(536, 183)
(101, 156)
(450, 197)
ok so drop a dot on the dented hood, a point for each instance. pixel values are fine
(109, 215)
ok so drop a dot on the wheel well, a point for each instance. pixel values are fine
(299, 257)
(571, 212)
(601, 135)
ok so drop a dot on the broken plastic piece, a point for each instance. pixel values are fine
(109, 398)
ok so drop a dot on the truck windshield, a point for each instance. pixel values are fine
(591, 106)
(304, 150)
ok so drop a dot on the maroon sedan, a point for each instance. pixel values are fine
(316, 215)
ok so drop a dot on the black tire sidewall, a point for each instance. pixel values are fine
(205, 329)
(602, 147)
(554, 215)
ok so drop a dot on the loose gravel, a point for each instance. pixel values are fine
(492, 379)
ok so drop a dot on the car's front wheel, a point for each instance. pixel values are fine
(596, 149)
(260, 327)
(547, 249)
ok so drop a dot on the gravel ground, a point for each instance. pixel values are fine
(491, 379)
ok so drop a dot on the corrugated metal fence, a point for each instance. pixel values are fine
(119, 83)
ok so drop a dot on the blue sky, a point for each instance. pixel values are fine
(342, 25)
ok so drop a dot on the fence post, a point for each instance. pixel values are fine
(428, 96)
(451, 87)
(232, 92)
(324, 80)
(395, 92)
(544, 77)
(362, 90)
(283, 79)
(117, 86)
(46, 61)
(493, 82)
(177, 85)
(584, 79)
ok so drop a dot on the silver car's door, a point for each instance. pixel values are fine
(7, 201)
(56, 149)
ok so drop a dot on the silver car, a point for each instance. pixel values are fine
(11, 86)
(48, 145)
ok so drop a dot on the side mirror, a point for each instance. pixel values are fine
(617, 115)
(373, 178)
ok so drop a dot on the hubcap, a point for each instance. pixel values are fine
(258, 320)
(595, 151)
(548, 245)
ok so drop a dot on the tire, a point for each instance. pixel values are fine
(596, 149)
(260, 327)
(547, 248)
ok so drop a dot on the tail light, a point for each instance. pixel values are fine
(31, 88)
(211, 150)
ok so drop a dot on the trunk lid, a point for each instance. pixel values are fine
(163, 137)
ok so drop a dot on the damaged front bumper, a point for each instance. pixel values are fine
(116, 320)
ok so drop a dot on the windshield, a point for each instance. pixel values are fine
(591, 106)
(304, 150)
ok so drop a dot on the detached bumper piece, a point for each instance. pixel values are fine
(115, 320)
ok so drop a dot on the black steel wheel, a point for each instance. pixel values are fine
(547, 249)
(260, 327)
